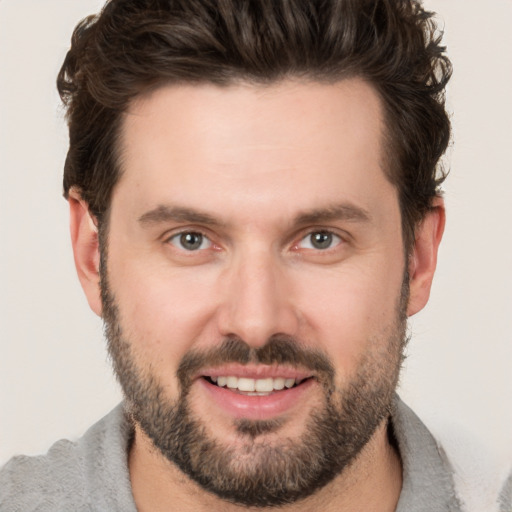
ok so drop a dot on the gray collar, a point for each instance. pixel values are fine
(427, 474)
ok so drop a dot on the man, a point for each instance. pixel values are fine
(255, 213)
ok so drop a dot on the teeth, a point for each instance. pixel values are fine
(246, 384)
(279, 383)
(232, 382)
(264, 385)
(289, 383)
(254, 386)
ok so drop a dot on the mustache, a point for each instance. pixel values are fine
(279, 349)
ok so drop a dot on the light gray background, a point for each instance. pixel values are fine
(55, 379)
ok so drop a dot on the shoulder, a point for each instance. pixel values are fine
(44, 482)
(479, 471)
(476, 471)
(79, 476)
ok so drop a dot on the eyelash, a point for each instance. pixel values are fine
(178, 237)
(333, 239)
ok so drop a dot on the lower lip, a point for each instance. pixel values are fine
(257, 407)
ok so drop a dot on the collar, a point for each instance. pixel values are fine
(427, 473)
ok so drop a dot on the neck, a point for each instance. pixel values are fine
(372, 482)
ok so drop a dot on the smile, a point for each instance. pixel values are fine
(255, 387)
(256, 392)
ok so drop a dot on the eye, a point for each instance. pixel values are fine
(190, 241)
(319, 240)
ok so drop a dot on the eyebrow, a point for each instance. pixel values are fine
(344, 211)
(163, 213)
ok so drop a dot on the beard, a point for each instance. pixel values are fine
(259, 472)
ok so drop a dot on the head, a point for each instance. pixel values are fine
(255, 185)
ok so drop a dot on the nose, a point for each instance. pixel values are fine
(257, 299)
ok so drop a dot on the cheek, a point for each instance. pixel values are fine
(345, 311)
(163, 312)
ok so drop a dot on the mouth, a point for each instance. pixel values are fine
(256, 392)
(255, 386)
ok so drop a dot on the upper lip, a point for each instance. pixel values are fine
(255, 371)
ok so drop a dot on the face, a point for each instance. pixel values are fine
(253, 282)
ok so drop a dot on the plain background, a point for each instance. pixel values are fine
(55, 379)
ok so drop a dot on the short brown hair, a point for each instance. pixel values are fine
(133, 46)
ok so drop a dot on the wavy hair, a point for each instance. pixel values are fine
(133, 46)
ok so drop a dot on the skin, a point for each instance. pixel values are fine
(259, 161)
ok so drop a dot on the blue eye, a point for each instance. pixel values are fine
(319, 240)
(190, 241)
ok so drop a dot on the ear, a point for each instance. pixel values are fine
(423, 259)
(84, 239)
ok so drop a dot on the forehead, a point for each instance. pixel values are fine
(252, 145)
